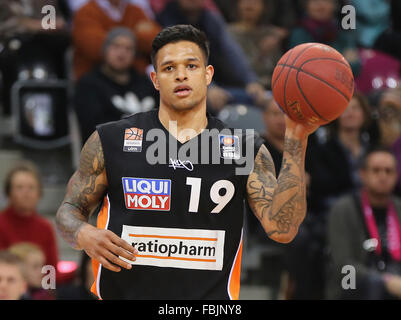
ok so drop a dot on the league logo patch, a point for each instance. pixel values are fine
(133, 140)
(147, 194)
(229, 147)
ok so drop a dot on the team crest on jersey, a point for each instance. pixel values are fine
(147, 194)
(133, 138)
(229, 146)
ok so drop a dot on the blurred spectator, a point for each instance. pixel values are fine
(261, 43)
(33, 260)
(96, 18)
(390, 40)
(372, 18)
(12, 283)
(80, 290)
(27, 46)
(364, 232)
(274, 120)
(232, 71)
(319, 24)
(75, 5)
(272, 253)
(20, 222)
(332, 166)
(158, 5)
(336, 160)
(390, 125)
(114, 88)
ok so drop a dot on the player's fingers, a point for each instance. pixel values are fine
(106, 264)
(123, 244)
(121, 252)
(115, 260)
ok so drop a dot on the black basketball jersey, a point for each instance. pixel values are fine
(179, 204)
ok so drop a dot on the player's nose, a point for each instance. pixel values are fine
(181, 74)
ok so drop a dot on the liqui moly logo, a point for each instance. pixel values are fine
(147, 194)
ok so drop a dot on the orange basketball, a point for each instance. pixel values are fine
(313, 83)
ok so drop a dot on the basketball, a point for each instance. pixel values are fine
(313, 83)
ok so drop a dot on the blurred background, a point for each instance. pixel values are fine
(68, 65)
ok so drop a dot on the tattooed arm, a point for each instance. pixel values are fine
(86, 189)
(280, 204)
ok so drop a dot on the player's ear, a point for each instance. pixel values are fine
(209, 74)
(153, 77)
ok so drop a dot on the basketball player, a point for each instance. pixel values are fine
(174, 230)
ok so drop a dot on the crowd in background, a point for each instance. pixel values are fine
(102, 47)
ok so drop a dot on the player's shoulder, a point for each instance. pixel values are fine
(140, 118)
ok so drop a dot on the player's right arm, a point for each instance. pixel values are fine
(85, 191)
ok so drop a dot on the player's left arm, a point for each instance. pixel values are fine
(280, 204)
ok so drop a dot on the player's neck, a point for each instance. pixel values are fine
(194, 119)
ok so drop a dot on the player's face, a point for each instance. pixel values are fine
(12, 284)
(182, 77)
(380, 174)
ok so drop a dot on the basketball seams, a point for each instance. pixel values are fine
(307, 101)
(286, 79)
(299, 69)
(282, 69)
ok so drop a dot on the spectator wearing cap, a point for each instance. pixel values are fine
(20, 221)
(114, 88)
(96, 18)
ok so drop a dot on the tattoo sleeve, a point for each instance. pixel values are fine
(279, 204)
(85, 191)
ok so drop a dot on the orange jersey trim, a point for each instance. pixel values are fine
(235, 275)
(102, 220)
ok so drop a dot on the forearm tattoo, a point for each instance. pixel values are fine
(85, 190)
(279, 204)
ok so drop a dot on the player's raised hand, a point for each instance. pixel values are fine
(300, 130)
(106, 247)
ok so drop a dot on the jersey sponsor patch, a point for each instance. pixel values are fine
(229, 147)
(147, 194)
(176, 248)
(133, 140)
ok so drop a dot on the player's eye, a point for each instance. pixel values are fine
(168, 68)
(192, 66)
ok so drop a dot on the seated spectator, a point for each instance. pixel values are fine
(113, 89)
(320, 25)
(370, 22)
(261, 43)
(12, 283)
(20, 222)
(28, 49)
(390, 125)
(364, 232)
(232, 71)
(33, 260)
(96, 18)
(336, 160)
(332, 166)
(80, 289)
(272, 265)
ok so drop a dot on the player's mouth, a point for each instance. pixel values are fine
(182, 91)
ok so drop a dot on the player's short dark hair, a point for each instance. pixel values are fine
(180, 32)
